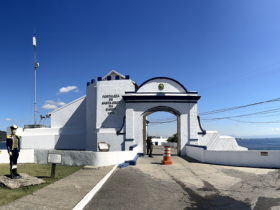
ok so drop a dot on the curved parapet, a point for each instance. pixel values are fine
(214, 141)
(164, 84)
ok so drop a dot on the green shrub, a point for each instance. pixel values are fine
(173, 138)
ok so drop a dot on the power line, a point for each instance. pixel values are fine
(255, 113)
(226, 81)
(245, 79)
(278, 121)
(237, 107)
(160, 120)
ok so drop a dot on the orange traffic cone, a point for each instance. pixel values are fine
(166, 156)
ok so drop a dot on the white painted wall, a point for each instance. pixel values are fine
(236, 158)
(195, 153)
(70, 115)
(112, 158)
(214, 141)
(171, 144)
(25, 156)
(101, 123)
(68, 129)
(159, 140)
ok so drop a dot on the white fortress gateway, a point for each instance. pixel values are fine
(114, 110)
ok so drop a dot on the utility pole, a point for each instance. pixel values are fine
(36, 65)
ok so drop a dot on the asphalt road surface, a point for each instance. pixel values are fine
(188, 184)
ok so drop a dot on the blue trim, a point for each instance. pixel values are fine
(162, 78)
(123, 165)
(108, 77)
(92, 81)
(88, 83)
(200, 146)
(193, 139)
(202, 130)
(129, 139)
(117, 77)
(141, 154)
(162, 101)
(132, 162)
(157, 97)
(132, 147)
(119, 131)
(99, 78)
(129, 162)
(127, 77)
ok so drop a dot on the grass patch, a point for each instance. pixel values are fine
(36, 170)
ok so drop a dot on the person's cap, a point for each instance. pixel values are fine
(13, 127)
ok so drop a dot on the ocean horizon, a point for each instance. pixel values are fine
(251, 144)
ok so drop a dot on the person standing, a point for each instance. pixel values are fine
(13, 148)
(149, 146)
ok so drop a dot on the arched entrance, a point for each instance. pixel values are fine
(161, 94)
(162, 109)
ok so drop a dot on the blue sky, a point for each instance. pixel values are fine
(228, 51)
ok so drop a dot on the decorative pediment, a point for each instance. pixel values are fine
(162, 84)
(113, 75)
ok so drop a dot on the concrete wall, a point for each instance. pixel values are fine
(25, 156)
(86, 157)
(171, 144)
(236, 158)
(72, 157)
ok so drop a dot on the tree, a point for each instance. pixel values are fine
(173, 138)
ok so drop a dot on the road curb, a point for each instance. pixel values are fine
(81, 205)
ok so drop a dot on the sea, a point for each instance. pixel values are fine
(251, 144)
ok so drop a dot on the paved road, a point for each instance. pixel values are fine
(188, 184)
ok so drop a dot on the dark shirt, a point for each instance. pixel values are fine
(149, 142)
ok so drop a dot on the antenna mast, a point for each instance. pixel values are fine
(36, 65)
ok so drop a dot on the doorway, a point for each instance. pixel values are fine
(162, 109)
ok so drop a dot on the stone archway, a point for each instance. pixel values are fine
(162, 109)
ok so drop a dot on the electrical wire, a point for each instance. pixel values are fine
(278, 121)
(226, 82)
(237, 107)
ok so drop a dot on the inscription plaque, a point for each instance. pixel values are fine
(103, 147)
(111, 102)
(54, 158)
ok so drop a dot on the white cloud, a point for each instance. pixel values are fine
(58, 103)
(68, 89)
(8, 119)
(277, 129)
(50, 104)
(272, 129)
